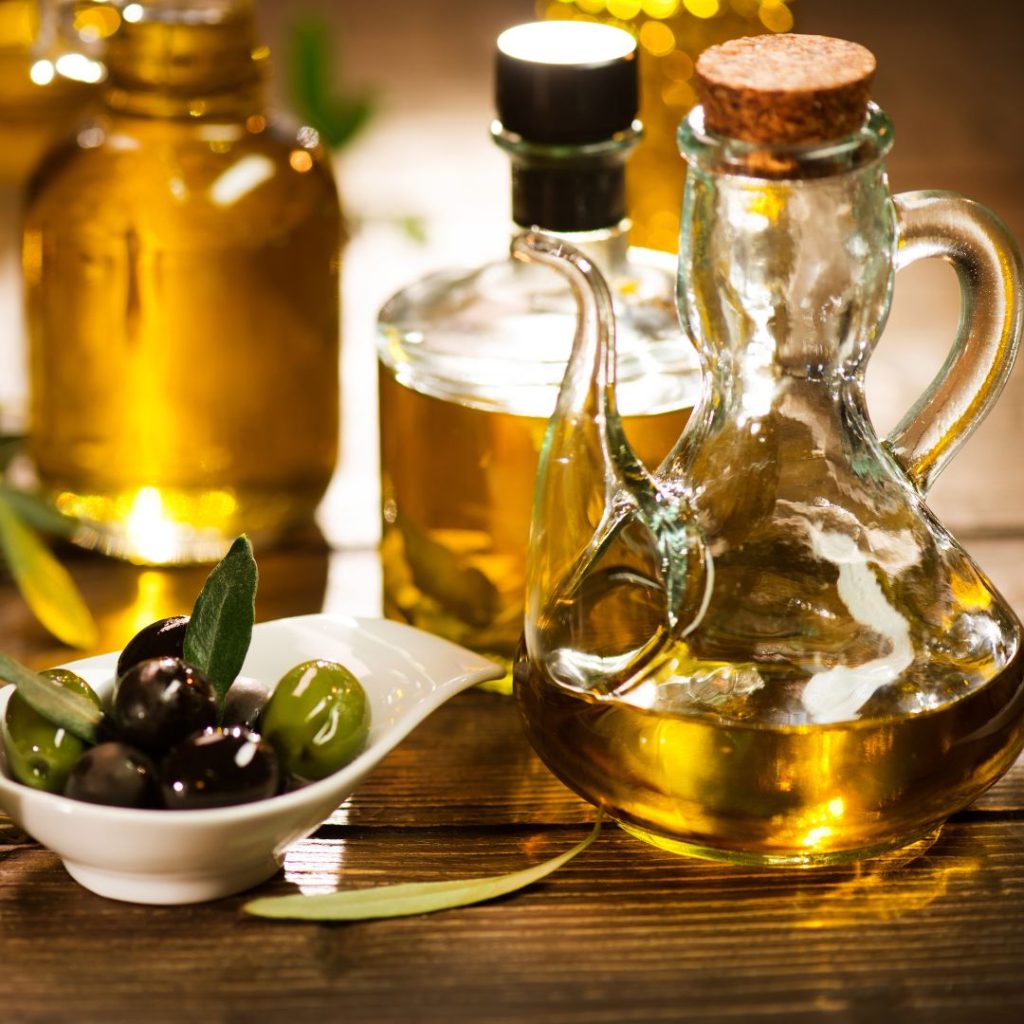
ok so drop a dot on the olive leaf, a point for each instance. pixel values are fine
(410, 898)
(11, 446)
(46, 585)
(64, 708)
(39, 513)
(218, 633)
(336, 115)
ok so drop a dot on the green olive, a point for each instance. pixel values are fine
(39, 753)
(317, 719)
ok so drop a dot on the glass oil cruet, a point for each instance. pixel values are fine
(769, 650)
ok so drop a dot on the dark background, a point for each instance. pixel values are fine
(950, 73)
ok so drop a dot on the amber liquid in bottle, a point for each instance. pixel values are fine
(181, 262)
(457, 510)
(709, 782)
(749, 792)
(38, 105)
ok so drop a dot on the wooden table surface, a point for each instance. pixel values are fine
(624, 933)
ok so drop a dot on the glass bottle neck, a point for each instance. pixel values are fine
(786, 256)
(182, 59)
(562, 188)
(606, 247)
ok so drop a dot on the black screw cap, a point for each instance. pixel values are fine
(566, 82)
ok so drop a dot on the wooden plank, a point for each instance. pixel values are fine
(626, 932)
(1006, 797)
(470, 764)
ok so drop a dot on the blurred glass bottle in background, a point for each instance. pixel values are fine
(671, 34)
(48, 74)
(181, 259)
(471, 360)
(49, 71)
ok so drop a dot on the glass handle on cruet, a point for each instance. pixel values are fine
(988, 264)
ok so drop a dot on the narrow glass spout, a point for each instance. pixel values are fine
(616, 567)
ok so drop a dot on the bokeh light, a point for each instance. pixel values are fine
(96, 21)
(702, 8)
(657, 38)
(775, 16)
(300, 160)
(42, 72)
(671, 34)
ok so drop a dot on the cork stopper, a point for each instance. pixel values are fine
(785, 89)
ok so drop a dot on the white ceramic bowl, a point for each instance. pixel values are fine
(188, 856)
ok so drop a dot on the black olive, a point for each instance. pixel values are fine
(217, 768)
(244, 703)
(159, 702)
(164, 638)
(115, 774)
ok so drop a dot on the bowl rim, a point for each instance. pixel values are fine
(345, 778)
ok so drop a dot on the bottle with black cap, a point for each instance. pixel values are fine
(471, 361)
